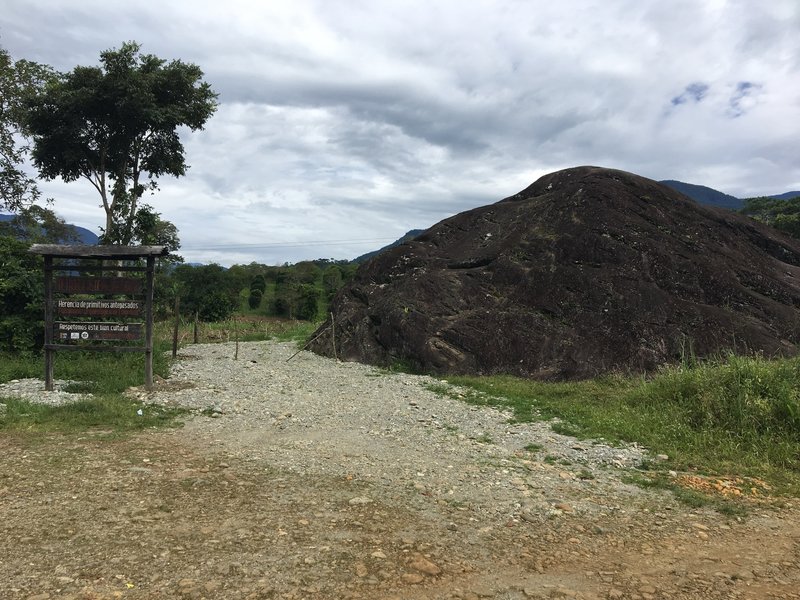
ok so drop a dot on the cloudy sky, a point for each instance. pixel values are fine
(343, 124)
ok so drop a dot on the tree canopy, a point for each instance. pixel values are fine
(780, 214)
(19, 81)
(116, 125)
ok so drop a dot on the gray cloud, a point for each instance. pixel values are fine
(359, 121)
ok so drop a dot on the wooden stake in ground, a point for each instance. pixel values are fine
(196, 319)
(333, 336)
(175, 328)
(236, 338)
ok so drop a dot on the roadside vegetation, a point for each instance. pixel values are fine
(106, 376)
(731, 417)
(103, 375)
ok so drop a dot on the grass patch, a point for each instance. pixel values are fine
(104, 375)
(484, 438)
(689, 497)
(109, 412)
(470, 396)
(532, 447)
(736, 415)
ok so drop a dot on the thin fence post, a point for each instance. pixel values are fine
(175, 328)
(333, 336)
(196, 319)
(236, 337)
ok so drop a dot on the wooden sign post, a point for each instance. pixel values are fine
(119, 299)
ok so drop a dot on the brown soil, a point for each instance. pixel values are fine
(172, 514)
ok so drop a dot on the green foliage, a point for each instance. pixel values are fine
(206, 291)
(307, 302)
(753, 397)
(301, 291)
(149, 229)
(332, 280)
(104, 375)
(738, 415)
(254, 299)
(19, 81)
(258, 284)
(116, 125)
(21, 297)
(780, 214)
(306, 272)
(113, 412)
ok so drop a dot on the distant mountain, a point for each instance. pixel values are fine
(407, 237)
(786, 196)
(704, 195)
(84, 235)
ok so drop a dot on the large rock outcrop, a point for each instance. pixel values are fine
(587, 271)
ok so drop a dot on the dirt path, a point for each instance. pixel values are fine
(238, 507)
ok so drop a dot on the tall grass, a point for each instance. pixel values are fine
(735, 415)
(248, 328)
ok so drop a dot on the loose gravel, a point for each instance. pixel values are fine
(303, 477)
(312, 414)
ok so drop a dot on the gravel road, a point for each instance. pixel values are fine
(311, 478)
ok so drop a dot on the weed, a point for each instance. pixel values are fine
(484, 438)
(533, 447)
(687, 496)
(569, 429)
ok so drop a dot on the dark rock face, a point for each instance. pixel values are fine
(587, 271)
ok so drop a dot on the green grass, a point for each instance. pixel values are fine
(107, 375)
(736, 416)
(112, 413)
(104, 375)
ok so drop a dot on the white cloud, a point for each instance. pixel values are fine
(361, 120)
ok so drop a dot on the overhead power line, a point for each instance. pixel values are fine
(285, 244)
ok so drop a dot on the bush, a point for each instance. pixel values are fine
(21, 298)
(216, 306)
(307, 302)
(254, 299)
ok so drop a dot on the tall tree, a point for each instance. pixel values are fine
(36, 224)
(149, 229)
(116, 126)
(19, 80)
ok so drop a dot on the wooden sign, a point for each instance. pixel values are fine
(75, 332)
(64, 336)
(98, 308)
(98, 285)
